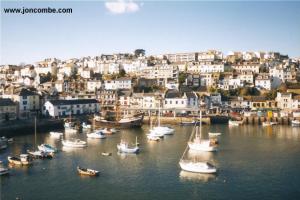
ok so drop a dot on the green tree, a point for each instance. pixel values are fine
(122, 73)
(181, 78)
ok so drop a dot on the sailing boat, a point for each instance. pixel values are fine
(38, 153)
(161, 129)
(123, 147)
(196, 166)
(200, 144)
(154, 136)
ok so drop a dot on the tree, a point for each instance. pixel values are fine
(181, 78)
(271, 95)
(139, 52)
(122, 73)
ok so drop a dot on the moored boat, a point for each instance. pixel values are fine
(123, 147)
(56, 134)
(86, 126)
(74, 143)
(106, 154)
(234, 123)
(24, 159)
(4, 171)
(192, 123)
(152, 137)
(47, 148)
(126, 122)
(98, 134)
(296, 123)
(40, 154)
(214, 134)
(88, 172)
(198, 167)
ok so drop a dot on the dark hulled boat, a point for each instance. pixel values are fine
(125, 122)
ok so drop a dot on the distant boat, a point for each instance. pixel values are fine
(3, 142)
(106, 154)
(214, 134)
(4, 171)
(123, 147)
(86, 171)
(198, 143)
(153, 137)
(267, 123)
(47, 148)
(126, 122)
(198, 167)
(162, 129)
(295, 123)
(74, 143)
(98, 134)
(192, 123)
(56, 134)
(24, 159)
(40, 154)
(235, 123)
(106, 131)
(86, 126)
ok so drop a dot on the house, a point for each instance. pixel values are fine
(120, 83)
(107, 99)
(28, 101)
(124, 97)
(263, 81)
(246, 77)
(93, 85)
(61, 108)
(254, 67)
(146, 100)
(8, 109)
(177, 100)
(284, 101)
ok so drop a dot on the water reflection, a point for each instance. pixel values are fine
(197, 177)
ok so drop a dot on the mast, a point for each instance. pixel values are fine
(35, 132)
(159, 113)
(136, 141)
(200, 123)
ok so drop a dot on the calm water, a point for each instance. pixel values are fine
(253, 162)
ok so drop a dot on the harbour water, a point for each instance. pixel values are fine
(253, 162)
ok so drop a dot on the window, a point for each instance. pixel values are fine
(24, 102)
(24, 107)
(176, 102)
(166, 102)
(78, 106)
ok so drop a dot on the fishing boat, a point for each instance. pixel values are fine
(86, 126)
(74, 143)
(123, 147)
(106, 154)
(296, 123)
(4, 171)
(210, 134)
(47, 148)
(234, 123)
(126, 122)
(198, 143)
(56, 134)
(98, 134)
(24, 159)
(88, 172)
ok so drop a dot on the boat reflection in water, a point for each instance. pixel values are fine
(197, 177)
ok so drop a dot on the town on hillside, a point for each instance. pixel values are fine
(176, 83)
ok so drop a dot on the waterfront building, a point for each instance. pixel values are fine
(61, 108)
(174, 99)
(8, 109)
(28, 101)
(285, 101)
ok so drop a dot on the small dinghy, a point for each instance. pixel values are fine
(4, 171)
(47, 148)
(24, 159)
(106, 153)
(214, 134)
(86, 126)
(88, 172)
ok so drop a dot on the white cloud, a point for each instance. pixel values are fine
(122, 6)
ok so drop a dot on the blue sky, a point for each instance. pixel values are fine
(159, 27)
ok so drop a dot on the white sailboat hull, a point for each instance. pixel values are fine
(197, 167)
(96, 135)
(124, 149)
(76, 144)
(295, 123)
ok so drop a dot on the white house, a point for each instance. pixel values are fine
(176, 100)
(59, 108)
(284, 101)
(254, 67)
(120, 83)
(263, 81)
(93, 85)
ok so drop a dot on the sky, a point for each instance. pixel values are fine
(104, 27)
